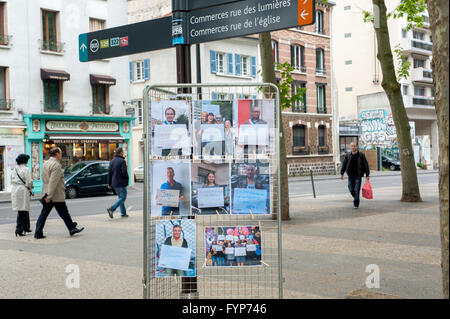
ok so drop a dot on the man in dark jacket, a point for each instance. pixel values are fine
(355, 165)
(118, 180)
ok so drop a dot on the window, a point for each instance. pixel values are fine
(405, 89)
(419, 91)
(320, 65)
(319, 21)
(347, 62)
(349, 89)
(139, 112)
(298, 57)
(221, 96)
(5, 103)
(139, 70)
(346, 8)
(96, 24)
(299, 106)
(50, 32)
(321, 99)
(404, 33)
(299, 135)
(3, 35)
(220, 62)
(53, 96)
(347, 35)
(244, 65)
(419, 63)
(100, 99)
(418, 35)
(321, 134)
(275, 51)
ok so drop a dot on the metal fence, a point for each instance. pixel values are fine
(251, 282)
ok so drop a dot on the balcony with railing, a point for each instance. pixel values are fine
(321, 72)
(300, 68)
(57, 107)
(422, 75)
(417, 101)
(101, 108)
(52, 46)
(417, 46)
(299, 108)
(300, 150)
(6, 104)
(5, 40)
(324, 149)
(322, 109)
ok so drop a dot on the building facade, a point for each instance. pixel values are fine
(354, 53)
(49, 98)
(310, 132)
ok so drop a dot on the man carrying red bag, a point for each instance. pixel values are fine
(355, 165)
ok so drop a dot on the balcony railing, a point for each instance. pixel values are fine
(421, 44)
(300, 150)
(101, 108)
(54, 106)
(322, 109)
(52, 46)
(422, 75)
(5, 39)
(6, 104)
(321, 72)
(423, 100)
(300, 68)
(299, 108)
(325, 149)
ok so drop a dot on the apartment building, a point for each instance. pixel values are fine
(361, 100)
(47, 97)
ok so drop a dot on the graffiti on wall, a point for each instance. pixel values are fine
(378, 130)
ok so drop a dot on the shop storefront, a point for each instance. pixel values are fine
(80, 139)
(11, 145)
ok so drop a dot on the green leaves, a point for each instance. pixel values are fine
(287, 98)
(404, 64)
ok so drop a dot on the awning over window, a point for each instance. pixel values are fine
(86, 138)
(47, 74)
(102, 79)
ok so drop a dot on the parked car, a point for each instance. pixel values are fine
(87, 177)
(139, 173)
(389, 163)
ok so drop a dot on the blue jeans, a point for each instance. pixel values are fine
(122, 193)
(354, 186)
(220, 261)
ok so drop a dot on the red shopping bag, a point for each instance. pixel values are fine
(367, 190)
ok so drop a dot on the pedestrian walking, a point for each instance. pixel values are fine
(21, 187)
(355, 165)
(54, 195)
(118, 180)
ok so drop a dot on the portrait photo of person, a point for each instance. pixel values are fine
(170, 188)
(210, 188)
(175, 248)
(255, 122)
(250, 186)
(233, 246)
(210, 128)
(170, 128)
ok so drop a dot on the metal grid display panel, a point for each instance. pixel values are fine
(248, 282)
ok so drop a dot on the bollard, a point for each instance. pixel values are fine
(312, 183)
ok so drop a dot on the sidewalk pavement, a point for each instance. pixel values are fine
(327, 246)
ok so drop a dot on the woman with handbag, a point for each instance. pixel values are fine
(22, 184)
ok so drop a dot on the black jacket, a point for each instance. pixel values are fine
(168, 242)
(363, 165)
(118, 172)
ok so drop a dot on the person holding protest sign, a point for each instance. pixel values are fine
(169, 114)
(173, 185)
(177, 241)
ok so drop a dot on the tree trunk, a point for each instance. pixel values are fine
(438, 11)
(410, 185)
(268, 72)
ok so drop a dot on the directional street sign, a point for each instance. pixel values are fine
(125, 40)
(197, 21)
(246, 17)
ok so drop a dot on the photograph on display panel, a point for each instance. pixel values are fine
(213, 128)
(255, 122)
(233, 246)
(171, 188)
(250, 187)
(175, 248)
(210, 188)
(170, 121)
